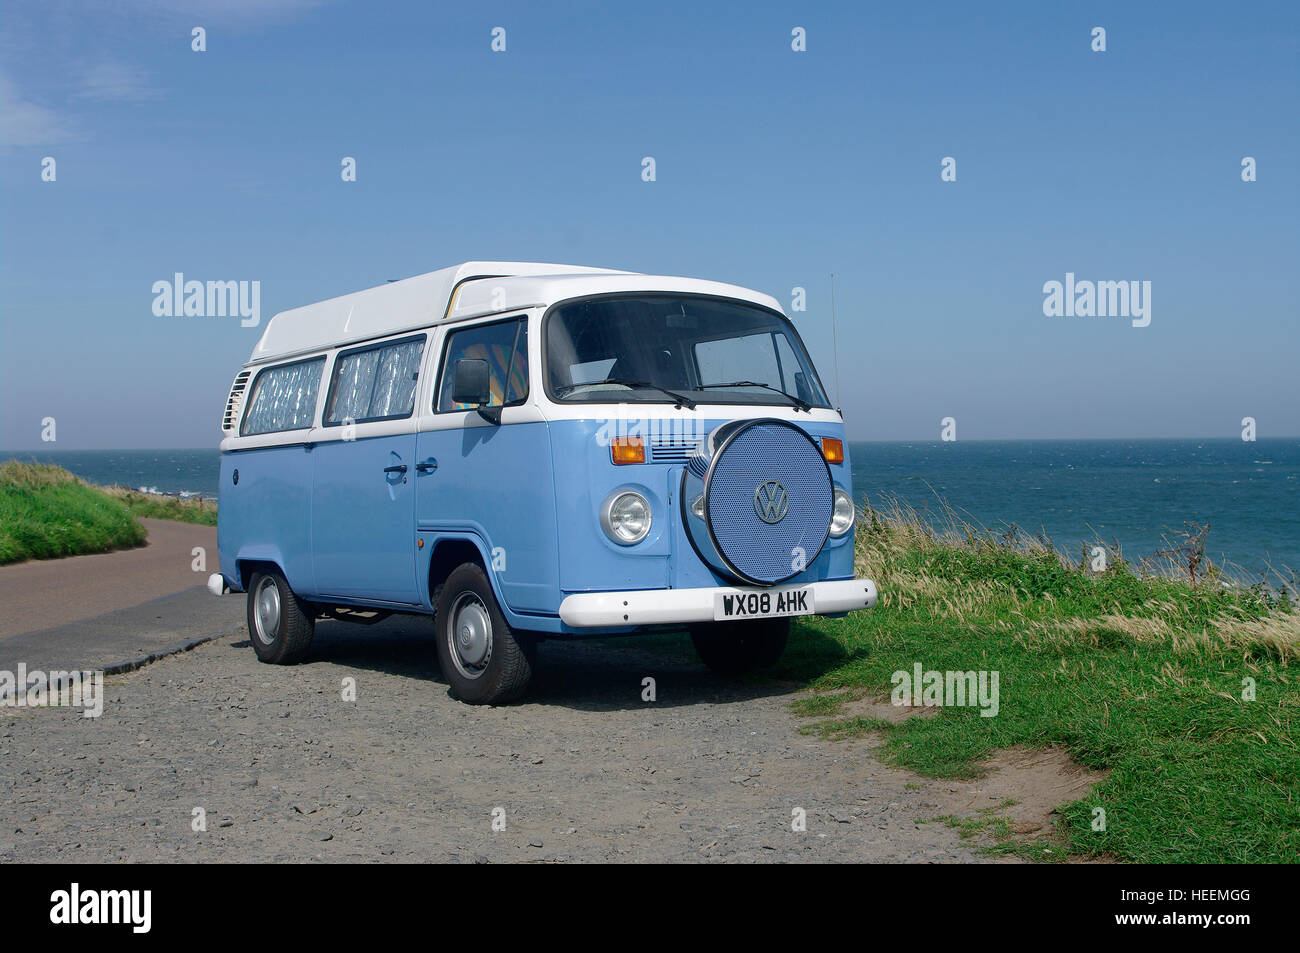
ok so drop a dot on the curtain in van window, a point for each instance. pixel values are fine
(394, 394)
(284, 398)
(354, 379)
(379, 382)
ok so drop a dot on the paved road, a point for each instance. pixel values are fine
(125, 635)
(44, 593)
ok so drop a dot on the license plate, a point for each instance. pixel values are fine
(763, 604)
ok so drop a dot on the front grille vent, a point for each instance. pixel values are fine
(673, 451)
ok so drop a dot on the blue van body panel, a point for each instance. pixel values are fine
(267, 515)
(584, 476)
(475, 534)
(363, 519)
(494, 484)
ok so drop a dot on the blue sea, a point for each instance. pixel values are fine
(1135, 491)
(162, 471)
(1138, 492)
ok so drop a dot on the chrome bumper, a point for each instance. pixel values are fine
(668, 606)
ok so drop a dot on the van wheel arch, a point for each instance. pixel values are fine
(248, 568)
(447, 556)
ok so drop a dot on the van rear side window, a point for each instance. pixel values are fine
(284, 398)
(375, 383)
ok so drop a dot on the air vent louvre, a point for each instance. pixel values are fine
(236, 399)
(672, 451)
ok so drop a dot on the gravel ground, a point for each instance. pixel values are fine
(584, 770)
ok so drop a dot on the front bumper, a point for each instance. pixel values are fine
(669, 606)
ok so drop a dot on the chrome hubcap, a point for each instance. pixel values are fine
(470, 635)
(266, 610)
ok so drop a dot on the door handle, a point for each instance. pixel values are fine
(427, 467)
(400, 468)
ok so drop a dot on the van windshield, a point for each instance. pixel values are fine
(664, 348)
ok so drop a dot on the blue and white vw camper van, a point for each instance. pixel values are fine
(529, 451)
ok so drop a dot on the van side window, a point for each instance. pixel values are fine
(504, 345)
(284, 398)
(375, 383)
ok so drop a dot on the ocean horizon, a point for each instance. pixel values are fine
(1137, 492)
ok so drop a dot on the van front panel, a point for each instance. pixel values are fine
(585, 477)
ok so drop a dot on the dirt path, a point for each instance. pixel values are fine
(287, 770)
(44, 593)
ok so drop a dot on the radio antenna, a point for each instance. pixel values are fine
(835, 346)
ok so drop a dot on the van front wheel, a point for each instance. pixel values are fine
(733, 648)
(483, 659)
(280, 626)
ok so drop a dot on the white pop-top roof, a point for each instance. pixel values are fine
(479, 288)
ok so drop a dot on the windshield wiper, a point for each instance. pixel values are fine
(797, 402)
(682, 399)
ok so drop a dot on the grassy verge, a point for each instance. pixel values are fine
(47, 512)
(156, 506)
(1135, 670)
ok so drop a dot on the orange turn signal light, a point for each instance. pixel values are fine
(627, 450)
(833, 449)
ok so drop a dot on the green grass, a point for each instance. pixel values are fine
(46, 512)
(1137, 672)
(154, 506)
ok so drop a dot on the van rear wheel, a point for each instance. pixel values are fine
(280, 625)
(485, 661)
(733, 648)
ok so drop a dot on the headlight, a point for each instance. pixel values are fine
(698, 507)
(843, 513)
(625, 517)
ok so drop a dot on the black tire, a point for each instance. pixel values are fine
(486, 662)
(285, 637)
(734, 648)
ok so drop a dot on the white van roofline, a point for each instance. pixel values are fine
(459, 293)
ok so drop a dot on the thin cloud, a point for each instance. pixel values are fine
(117, 82)
(247, 11)
(25, 123)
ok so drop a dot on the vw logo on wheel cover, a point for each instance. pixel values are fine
(771, 502)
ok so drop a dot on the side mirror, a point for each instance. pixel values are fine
(472, 382)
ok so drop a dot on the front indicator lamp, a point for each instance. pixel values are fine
(623, 450)
(833, 449)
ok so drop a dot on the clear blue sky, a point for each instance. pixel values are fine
(774, 169)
